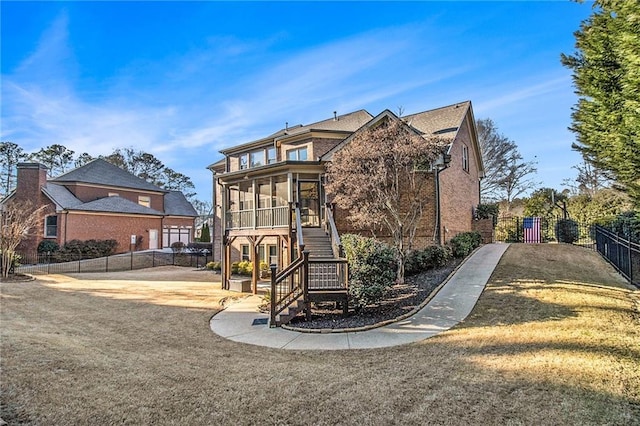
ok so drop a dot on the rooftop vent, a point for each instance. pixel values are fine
(335, 115)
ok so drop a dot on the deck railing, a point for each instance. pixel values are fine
(328, 274)
(271, 217)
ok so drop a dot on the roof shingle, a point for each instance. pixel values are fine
(101, 172)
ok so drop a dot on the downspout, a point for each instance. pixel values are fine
(439, 168)
(437, 233)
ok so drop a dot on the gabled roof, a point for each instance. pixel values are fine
(342, 123)
(443, 122)
(61, 196)
(116, 204)
(101, 172)
(176, 204)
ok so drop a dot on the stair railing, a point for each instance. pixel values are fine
(332, 230)
(288, 286)
(299, 236)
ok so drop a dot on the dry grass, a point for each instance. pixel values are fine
(548, 343)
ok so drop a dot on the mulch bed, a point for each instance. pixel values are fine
(14, 278)
(399, 300)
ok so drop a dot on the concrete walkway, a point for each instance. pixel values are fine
(242, 322)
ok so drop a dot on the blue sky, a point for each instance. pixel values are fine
(182, 80)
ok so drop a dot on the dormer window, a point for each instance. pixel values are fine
(144, 200)
(299, 154)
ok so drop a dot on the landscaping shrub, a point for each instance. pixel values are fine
(372, 269)
(485, 211)
(464, 243)
(242, 268)
(90, 249)
(429, 258)
(436, 256)
(567, 231)
(48, 246)
(626, 224)
(178, 247)
(214, 266)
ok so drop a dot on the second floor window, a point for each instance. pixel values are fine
(257, 158)
(299, 154)
(51, 227)
(271, 155)
(465, 158)
(244, 161)
(144, 200)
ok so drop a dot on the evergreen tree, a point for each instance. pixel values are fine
(205, 235)
(10, 155)
(606, 74)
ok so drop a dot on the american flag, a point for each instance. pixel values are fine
(531, 226)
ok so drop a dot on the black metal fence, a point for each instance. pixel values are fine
(621, 252)
(47, 264)
(544, 230)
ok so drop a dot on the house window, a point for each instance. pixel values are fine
(299, 154)
(465, 158)
(113, 194)
(273, 254)
(51, 227)
(144, 200)
(244, 161)
(257, 158)
(244, 252)
(271, 155)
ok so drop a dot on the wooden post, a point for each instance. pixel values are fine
(274, 296)
(305, 285)
(256, 268)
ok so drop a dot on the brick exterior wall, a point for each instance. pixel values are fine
(425, 231)
(30, 178)
(321, 146)
(90, 193)
(84, 227)
(485, 228)
(89, 225)
(459, 189)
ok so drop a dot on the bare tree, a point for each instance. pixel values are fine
(507, 175)
(496, 149)
(17, 220)
(589, 181)
(374, 178)
(518, 177)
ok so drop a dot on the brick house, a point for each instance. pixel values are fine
(101, 201)
(270, 197)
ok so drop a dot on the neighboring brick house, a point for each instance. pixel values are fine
(257, 185)
(101, 201)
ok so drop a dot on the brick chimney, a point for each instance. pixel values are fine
(31, 178)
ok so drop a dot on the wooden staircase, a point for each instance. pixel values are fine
(319, 274)
(291, 311)
(318, 243)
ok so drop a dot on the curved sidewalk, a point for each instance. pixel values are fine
(242, 322)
